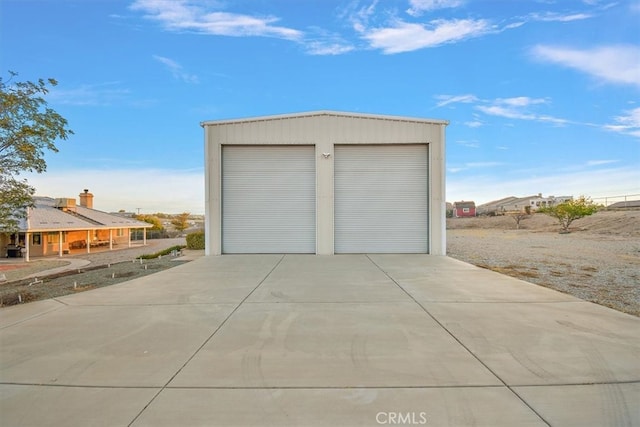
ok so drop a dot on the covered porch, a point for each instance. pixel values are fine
(48, 243)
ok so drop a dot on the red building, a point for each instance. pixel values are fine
(464, 209)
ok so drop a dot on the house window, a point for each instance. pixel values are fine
(465, 210)
(36, 239)
(53, 237)
(120, 232)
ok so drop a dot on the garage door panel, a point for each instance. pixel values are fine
(381, 199)
(268, 199)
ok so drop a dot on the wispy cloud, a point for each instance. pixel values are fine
(393, 35)
(401, 36)
(322, 42)
(208, 18)
(453, 99)
(186, 15)
(467, 28)
(469, 144)
(473, 165)
(176, 69)
(418, 7)
(521, 101)
(328, 48)
(559, 17)
(629, 123)
(600, 162)
(525, 108)
(483, 164)
(613, 64)
(100, 94)
(520, 108)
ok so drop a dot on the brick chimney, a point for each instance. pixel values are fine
(86, 199)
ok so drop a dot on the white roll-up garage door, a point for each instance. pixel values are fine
(268, 199)
(381, 199)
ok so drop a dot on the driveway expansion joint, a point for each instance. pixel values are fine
(459, 342)
(207, 340)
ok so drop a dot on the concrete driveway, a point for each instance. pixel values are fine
(299, 340)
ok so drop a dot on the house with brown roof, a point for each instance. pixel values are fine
(55, 227)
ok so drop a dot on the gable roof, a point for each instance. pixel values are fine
(324, 113)
(45, 216)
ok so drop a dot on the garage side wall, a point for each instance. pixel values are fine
(323, 131)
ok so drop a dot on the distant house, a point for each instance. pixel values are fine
(464, 209)
(520, 204)
(60, 226)
(537, 202)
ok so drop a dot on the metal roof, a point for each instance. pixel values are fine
(45, 216)
(324, 113)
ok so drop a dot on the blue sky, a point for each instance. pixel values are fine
(542, 96)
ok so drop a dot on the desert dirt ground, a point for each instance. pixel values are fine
(598, 261)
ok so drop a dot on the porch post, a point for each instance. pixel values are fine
(144, 237)
(60, 244)
(27, 244)
(129, 236)
(111, 239)
(88, 242)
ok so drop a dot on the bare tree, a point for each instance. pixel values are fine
(519, 216)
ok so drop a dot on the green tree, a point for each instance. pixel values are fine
(571, 210)
(153, 220)
(181, 221)
(28, 127)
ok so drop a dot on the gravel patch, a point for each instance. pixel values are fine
(84, 279)
(594, 265)
(104, 269)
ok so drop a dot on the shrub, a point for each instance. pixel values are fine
(162, 252)
(195, 240)
(570, 211)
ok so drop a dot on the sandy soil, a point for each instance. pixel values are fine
(598, 261)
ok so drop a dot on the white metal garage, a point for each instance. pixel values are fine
(268, 199)
(381, 199)
(325, 182)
